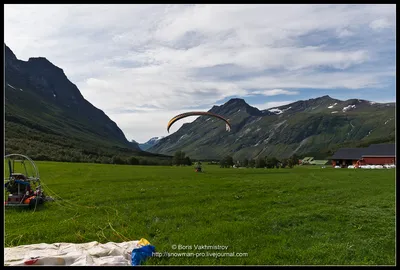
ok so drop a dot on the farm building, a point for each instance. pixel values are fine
(312, 161)
(375, 154)
(319, 162)
(306, 160)
(379, 154)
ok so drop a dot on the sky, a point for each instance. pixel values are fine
(143, 64)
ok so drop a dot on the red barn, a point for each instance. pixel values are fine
(375, 154)
(347, 156)
(379, 154)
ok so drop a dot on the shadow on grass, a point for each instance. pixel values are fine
(23, 209)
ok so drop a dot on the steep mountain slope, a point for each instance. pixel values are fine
(46, 116)
(315, 126)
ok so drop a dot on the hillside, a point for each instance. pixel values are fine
(47, 118)
(153, 141)
(307, 127)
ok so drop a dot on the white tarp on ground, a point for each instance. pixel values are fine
(89, 254)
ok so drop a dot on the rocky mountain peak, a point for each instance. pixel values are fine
(324, 97)
(236, 101)
(44, 83)
(43, 63)
(233, 105)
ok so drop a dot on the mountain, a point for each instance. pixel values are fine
(46, 116)
(153, 141)
(314, 127)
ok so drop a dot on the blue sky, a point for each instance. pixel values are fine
(143, 64)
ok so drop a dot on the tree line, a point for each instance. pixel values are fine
(260, 162)
(51, 152)
(180, 159)
(45, 151)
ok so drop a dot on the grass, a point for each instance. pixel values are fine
(300, 216)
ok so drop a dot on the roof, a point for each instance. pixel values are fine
(348, 153)
(380, 150)
(307, 159)
(319, 162)
(375, 150)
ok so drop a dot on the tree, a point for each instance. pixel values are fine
(179, 158)
(105, 160)
(260, 162)
(222, 163)
(151, 162)
(245, 162)
(291, 163)
(133, 161)
(295, 159)
(252, 163)
(143, 162)
(41, 157)
(269, 162)
(284, 162)
(166, 162)
(229, 161)
(75, 159)
(117, 160)
(272, 162)
(226, 162)
(187, 161)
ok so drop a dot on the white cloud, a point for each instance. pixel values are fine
(343, 33)
(141, 126)
(275, 92)
(147, 58)
(272, 104)
(384, 100)
(317, 80)
(379, 24)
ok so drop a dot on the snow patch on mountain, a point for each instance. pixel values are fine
(276, 111)
(330, 107)
(350, 107)
(153, 141)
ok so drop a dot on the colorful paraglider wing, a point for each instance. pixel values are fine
(183, 115)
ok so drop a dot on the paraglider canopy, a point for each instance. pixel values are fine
(183, 115)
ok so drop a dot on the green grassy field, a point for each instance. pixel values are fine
(300, 216)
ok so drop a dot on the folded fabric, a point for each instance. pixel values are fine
(140, 255)
(88, 254)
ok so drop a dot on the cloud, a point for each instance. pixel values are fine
(140, 126)
(152, 60)
(275, 92)
(317, 80)
(272, 104)
(379, 24)
(343, 33)
(385, 100)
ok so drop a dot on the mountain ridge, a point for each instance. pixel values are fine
(46, 116)
(304, 126)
